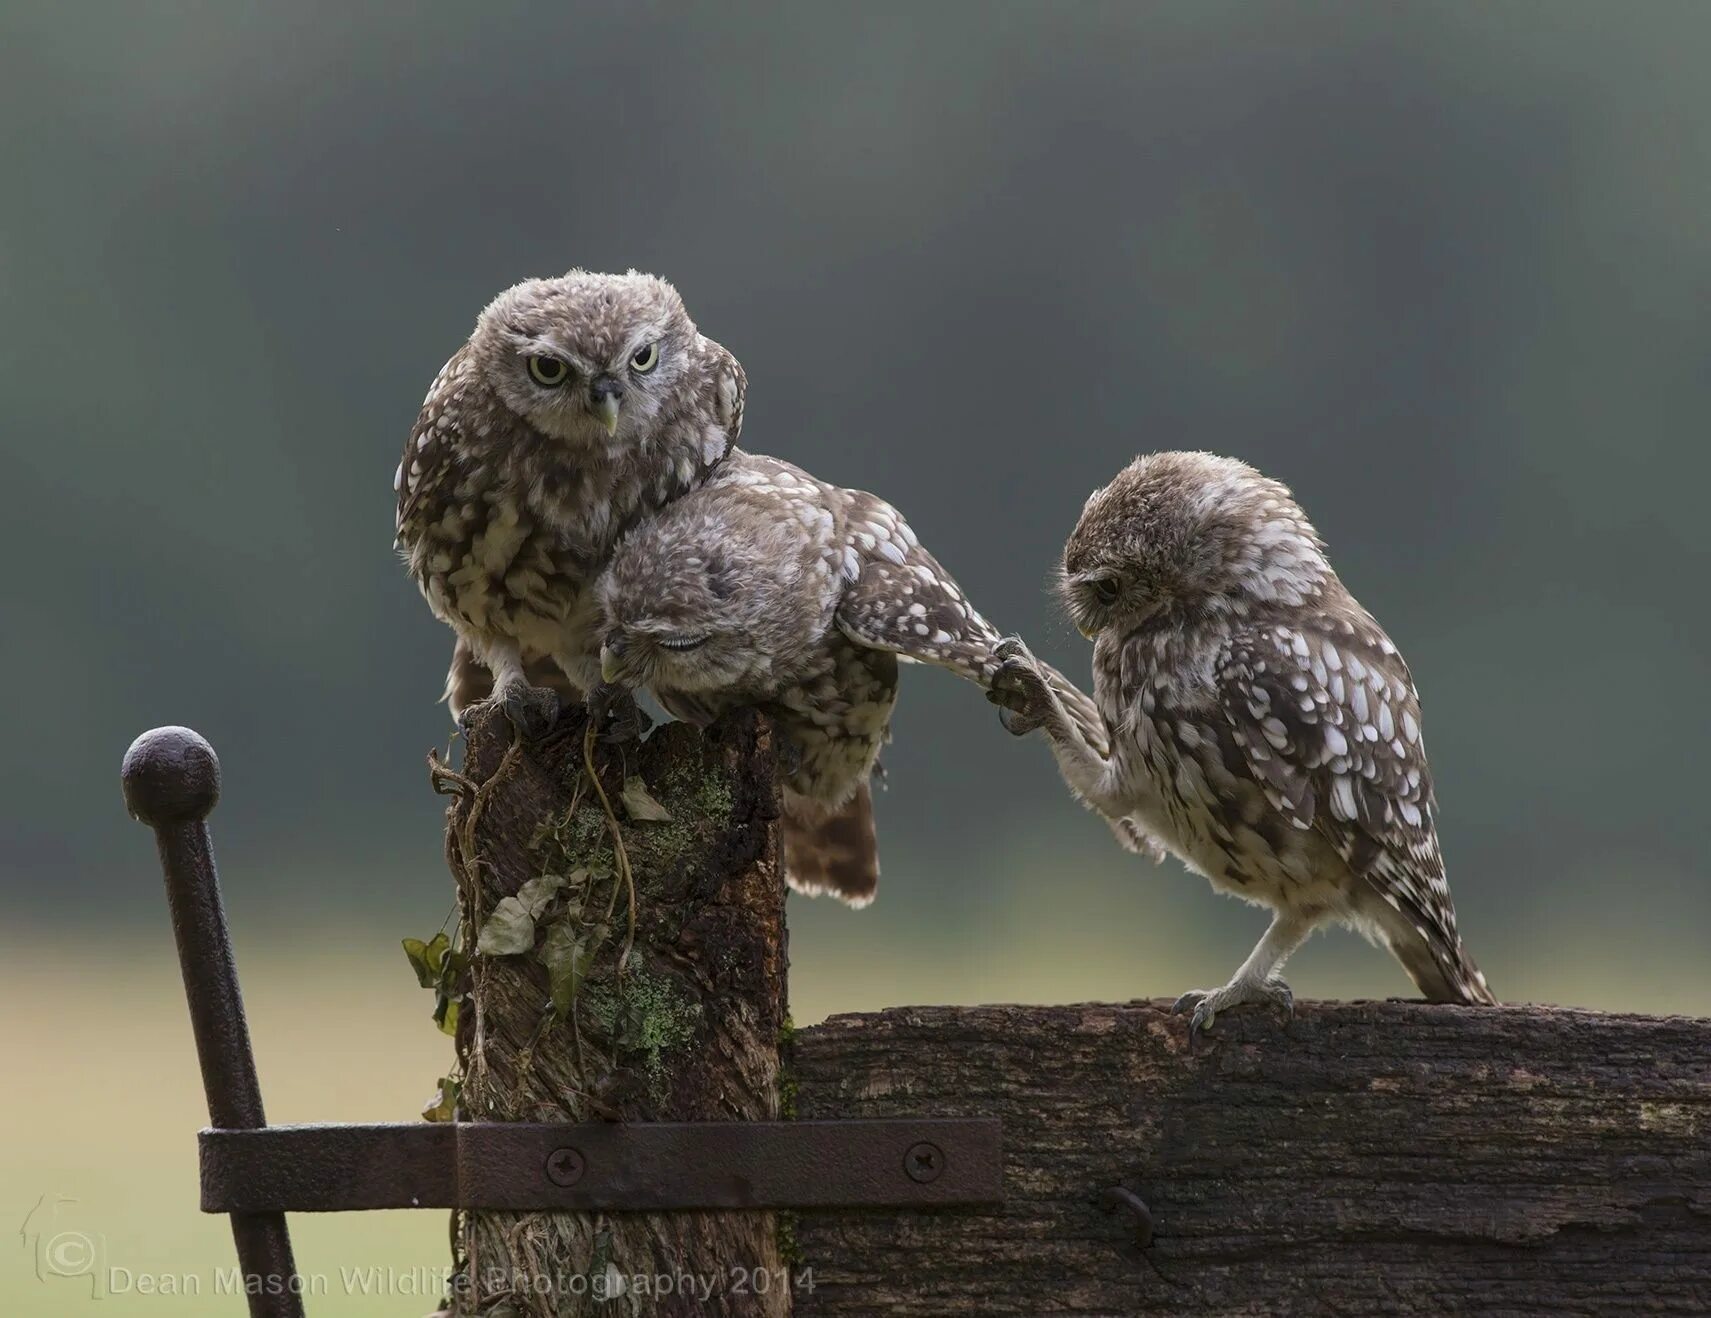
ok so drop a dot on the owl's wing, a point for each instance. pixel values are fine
(1325, 714)
(728, 384)
(429, 453)
(1328, 719)
(900, 598)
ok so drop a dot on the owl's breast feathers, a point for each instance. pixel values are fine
(503, 532)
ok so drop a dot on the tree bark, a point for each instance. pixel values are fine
(1367, 1158)
(676, 1015)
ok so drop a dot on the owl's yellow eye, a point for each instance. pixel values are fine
(645, 359)
(548, 372)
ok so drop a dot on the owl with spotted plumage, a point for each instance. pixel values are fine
(578, 407)
(770, 588)
(1264, 727)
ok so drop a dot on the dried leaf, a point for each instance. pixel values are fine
(639, 804)
(443, 1105)
(537, 893)
(508, 930)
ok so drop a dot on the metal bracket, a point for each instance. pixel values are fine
(257, 1173)
(638, 1167)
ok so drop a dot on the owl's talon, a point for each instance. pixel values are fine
(790, 757)
(531, 710)
(1205, 1004)
(1024, 699)
(1014, 647)
(616, 716)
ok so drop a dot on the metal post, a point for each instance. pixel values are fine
(172, 780)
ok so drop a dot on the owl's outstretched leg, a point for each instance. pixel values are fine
(1026, 700)
(1257, 981)
(531, 710)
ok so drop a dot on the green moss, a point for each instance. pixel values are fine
(789, 1248)
(645, 1014)
(786, 1073)
(700, 789)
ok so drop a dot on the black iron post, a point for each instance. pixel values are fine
(172, 780)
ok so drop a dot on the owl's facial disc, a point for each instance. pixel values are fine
(1102, 596)
(638, 658)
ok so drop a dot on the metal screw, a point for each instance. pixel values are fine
(565, 1166)
(924, 1162)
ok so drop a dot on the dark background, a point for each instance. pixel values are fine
(1442, 268)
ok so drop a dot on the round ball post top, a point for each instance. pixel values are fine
(171, 775)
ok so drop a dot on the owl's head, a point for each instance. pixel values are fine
(708, 595)
(1180, 533)
(594, 360)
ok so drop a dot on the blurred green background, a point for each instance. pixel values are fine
(1442, 268)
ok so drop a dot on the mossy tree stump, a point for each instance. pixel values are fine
(589, 994)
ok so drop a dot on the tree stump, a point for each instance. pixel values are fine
(592, 990)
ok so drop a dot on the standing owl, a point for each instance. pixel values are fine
(1265, 728)
(579, 406)
(768, 587)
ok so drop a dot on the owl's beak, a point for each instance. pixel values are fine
(605, 396)
(1087, 633)
(612, 659)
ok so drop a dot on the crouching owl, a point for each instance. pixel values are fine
(1266, 729)
(768, 587)
(577, 407)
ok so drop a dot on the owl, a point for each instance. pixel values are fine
(770, 588)
(579, 406)
(1266, 730)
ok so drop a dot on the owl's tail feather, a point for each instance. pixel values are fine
(831, 852)
(1441, 969)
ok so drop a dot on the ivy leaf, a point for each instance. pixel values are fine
(445, 1015)
(417, 951)
(568, 954)
(508, 929)
(538, 892)
(639, 804)
(451, 972)
(428, 959)
(443, 1105)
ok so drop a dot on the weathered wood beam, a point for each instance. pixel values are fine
(1367, 1158)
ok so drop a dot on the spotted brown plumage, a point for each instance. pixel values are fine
(1266, 730)
(769, 587)
(579, 406)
